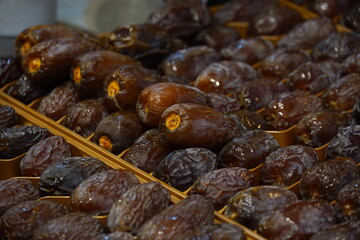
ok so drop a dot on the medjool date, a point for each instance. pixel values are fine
(324, 180)
(8, 117)
(55, 104)
(96, 194)
(248, 206)
(148, 150)
(248, 150)
(137, 205)
(195, 125)
(183, 167)
(344, 231)
(351, 64)
(285, 166)
(247, 120)
(14, 191)
(217, 36)
(179, 221)
(225, 231)
(10, 70)
(88, 71)
(189, 62)
(318, 128)
(299, 220)
(43, 154)
(224, 77)
(155, 99)
(62, 177)
(17, 140)
(118, 131)
(347, 202)
(224, 103)
(21, 220)
(221, 184)
(84, 116)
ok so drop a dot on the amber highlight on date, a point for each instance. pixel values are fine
(105, 143)
(77, 74)
(113, 89)
(25, 47)
(34, 65)
(173, 121)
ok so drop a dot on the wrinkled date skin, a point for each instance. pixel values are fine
(224, 103)
(183, 167)
(221, 184)
(43, 154)
(84, 116)
(273, 20)
(329, 8)
(247, 120)
(282, 62)
(351, 64)
(225, 77)
(148, 150)
(195, 125)
(10, 70)
(349, 230)
(181, 18)
(118, 131)
(155, 99)
(48, 62)
(96, 194)
(14, 191)
(343, 93)
(347, 202)
(62, 177)
(179, 221)
(337, 46)
(325, 179)
(288, 108)
(217, 36)
(248, 150)
(307, 34)
(285, 166)
(8, 117)
(224, 231)
(89, 70)
(356, 113)
(62, 227)
(248, 206)
(189, 62)
(136, 206)
(318, 128)
(55, 104)
(123, 86)
(20, 221)
(17, 140)
(248, 50)
(298, 221)
(345, 144)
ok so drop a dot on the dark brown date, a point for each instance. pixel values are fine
(148, 150)
(248, 50)
(352, 18)
(356, 113)
(10, 70)
(195, 125)
(343, 93)
(75, 225)
(298, 221)
(307, 34)
(118, 131)
(288, 108)
(221, 184)
(345, 231)
(345, 144)
(217, 36)
(123, 86)
(247, 120)
(347, 202)
(282, 62)
(351, 64)
(225, 77)
(179, 221)
(318, 128)
(329, 8)
(84, 116)
(248, 150)
(8, 116)
(96, 194)
(43, 154)
(248, 206)
(155, 99)
(17, 140)
(224, 231)
(183, 167)
(324, 180)
(286, 165)
(20, 221)
(136, 206)
(55, 104)
(189, 62)
(224, 103)
(62, 177)
(14, 191)
(88, 71)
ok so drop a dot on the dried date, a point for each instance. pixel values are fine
(344, 231)
(224, 231)
(10, 70)
(217, 36)
(224, 103)
(356, 113)
(351, 64)
(347, 202)
(248, 120)
(8, 117)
